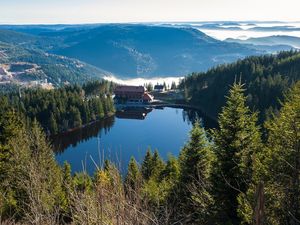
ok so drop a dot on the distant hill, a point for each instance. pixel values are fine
(136, 50)
(145, 51)
(30, 64)
(270, 41)
(274, 28)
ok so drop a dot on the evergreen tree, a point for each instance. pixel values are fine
(173, 85)
(194, 182)
(53, 125)
(172, 170)
(149, 87)
(236, 142)
(146, 167)
(157, 165)
(279, 166)
(34, 185)
(165, 85)
(67, 188)
(133, 178)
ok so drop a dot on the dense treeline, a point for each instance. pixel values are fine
(228, 175)
(266, 78)
(68, 107)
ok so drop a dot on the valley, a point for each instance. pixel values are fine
(150, 123)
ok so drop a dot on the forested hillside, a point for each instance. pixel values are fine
(230, 175)
(266, 78)
(130, 50)
(146, 51)
(64, 108)
(17, 48)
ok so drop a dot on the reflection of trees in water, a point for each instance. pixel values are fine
(191, 115)
(73, 138)
(133, 113)
(63, 141)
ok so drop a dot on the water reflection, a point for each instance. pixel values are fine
(129, 133)
(133, 113)
(191, 115)
(73, 138)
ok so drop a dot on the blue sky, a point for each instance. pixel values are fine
(94, 11)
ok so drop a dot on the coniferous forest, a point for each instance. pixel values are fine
(266, 78)
(64, 108)
(245, 171)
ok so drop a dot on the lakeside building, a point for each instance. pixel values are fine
(159, 88)
(132, 94)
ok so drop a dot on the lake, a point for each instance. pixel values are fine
(129, 133)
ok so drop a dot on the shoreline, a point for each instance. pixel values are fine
(82, 126)
(118, 107)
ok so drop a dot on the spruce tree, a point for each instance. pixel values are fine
(236, 142)
(157, 165)
(34, 182)
(146, 167)
(53, 124)
(133, 178)
(194, 182)
(279, 167)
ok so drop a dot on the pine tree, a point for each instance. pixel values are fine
(236, 141)
(67, 189)
(10, 126)
(146, 167)
(34, 183)
(172, 169)
(53, 125)
(279, 167)
(194, 182)
(133, 178)
(157, 165)
(173, 85)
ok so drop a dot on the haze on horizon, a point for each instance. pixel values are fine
(123, 11)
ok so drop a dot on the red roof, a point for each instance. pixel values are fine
(125, 88)
(148, 97)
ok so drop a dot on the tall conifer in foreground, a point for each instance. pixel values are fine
(279, 167)
(236, 142)
(194, 185)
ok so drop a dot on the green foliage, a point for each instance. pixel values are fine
(236, 142)
(173, 86)
(146, 167)
(279, 164)
(157, 165)
(61, 109)
(34, 178)
(82, 182)
(265, 77)
(152, 169)
(194, 186)
(10, 126)
(149, 86)
(152, 165)
(227, 176)
(133, 177)
(56, 69)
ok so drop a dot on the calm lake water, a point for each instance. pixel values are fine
(127, 134)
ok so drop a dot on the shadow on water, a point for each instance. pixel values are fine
(73, 138)
(191, 115)
(133, 113)
(128, 134)
(63, 141)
